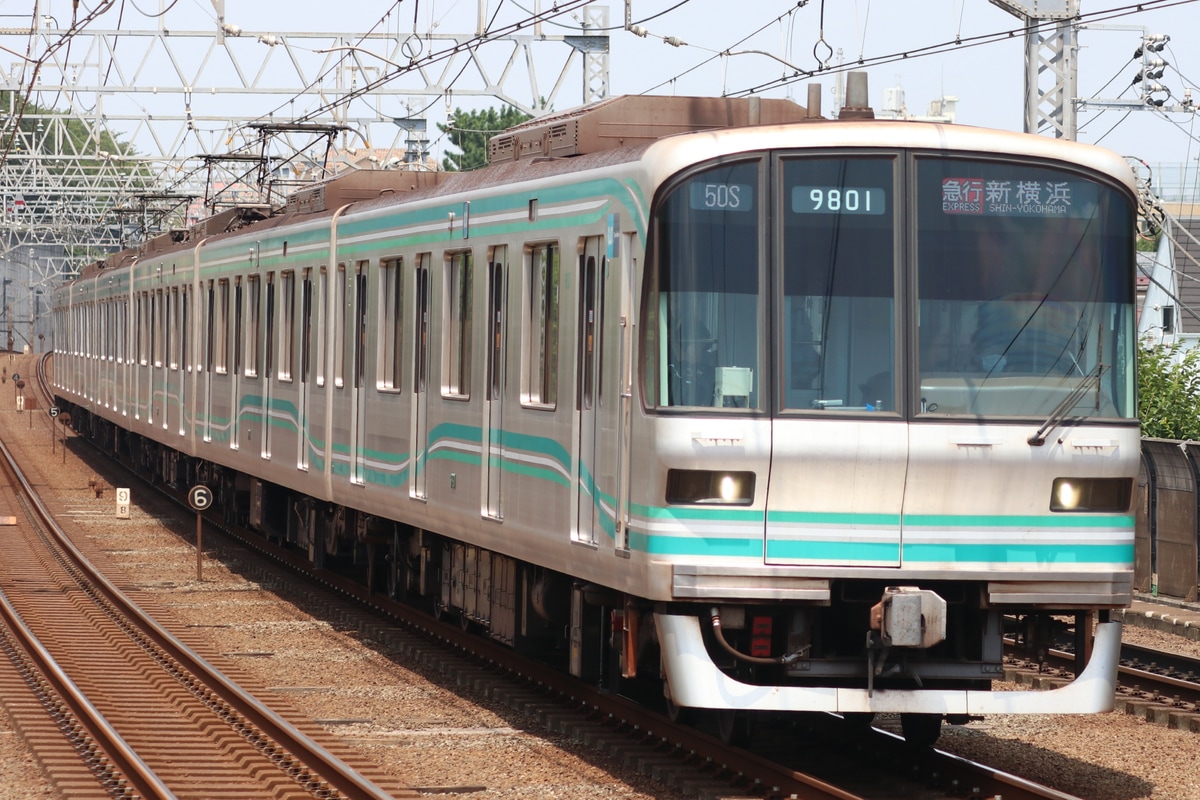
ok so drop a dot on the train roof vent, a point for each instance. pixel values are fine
(363, 184)
(231, 219)
(635, 119)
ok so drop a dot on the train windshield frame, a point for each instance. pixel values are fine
(797, 282)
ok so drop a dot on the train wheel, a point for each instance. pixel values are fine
(859, 720)
(921, 730)
(397, 576)
(682, 715)
(316, 553)
(377, 567)
(735, 727)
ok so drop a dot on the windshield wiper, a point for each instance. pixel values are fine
(1060, 411)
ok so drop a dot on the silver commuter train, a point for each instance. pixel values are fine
(807, 411)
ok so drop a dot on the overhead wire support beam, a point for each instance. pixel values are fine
(171, 91)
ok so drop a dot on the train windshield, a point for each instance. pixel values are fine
(1024, 299)
(706, 321)
(891, 284)
(838, 267)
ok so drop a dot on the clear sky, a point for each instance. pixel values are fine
(772, 39)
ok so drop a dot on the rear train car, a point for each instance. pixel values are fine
(789, 414)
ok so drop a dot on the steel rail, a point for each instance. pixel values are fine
(327, 766)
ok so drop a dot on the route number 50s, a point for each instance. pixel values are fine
(723, 195)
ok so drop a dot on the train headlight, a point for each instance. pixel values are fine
(1111, 495)
(710, 487)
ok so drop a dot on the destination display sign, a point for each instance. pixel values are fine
(1018, 198)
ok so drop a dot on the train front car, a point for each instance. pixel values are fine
(888, 371)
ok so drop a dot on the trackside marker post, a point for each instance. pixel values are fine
(200, 499)
(122, 504)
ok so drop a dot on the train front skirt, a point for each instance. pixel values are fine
(696, 682)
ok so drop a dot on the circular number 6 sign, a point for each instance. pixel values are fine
(200, 498)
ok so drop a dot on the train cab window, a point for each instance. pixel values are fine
(539, 369)
(391, 316)
(838, 334)
(1023, 309)
(702, 339)
(456, 360)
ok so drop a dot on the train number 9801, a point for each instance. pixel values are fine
(838, 200)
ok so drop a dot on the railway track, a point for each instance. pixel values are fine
(1159, 685)
(138, 712)
(688, 758)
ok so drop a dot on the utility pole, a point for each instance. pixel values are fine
(1051, 52)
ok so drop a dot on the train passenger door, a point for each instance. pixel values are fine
(235, 378)
(497, 303)
(621, 262)
(358, 427)
(210, 345)
(420, 412)
(268, 367)
(588, 478)
(307, 324)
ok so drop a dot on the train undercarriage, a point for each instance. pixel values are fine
(615, 640)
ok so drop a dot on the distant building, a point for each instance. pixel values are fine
(1170, 310)
(942, 109)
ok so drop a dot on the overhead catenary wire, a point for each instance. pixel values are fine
(959, 43)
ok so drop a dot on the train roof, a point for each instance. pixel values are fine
(619, 130)
(636, 119)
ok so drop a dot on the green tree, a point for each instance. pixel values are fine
(469, 131)
(1169, 391)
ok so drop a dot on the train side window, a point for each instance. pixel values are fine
(421, 322)
(339, 329)
(539, 334)
(170, 301)
(143, 315)
(497, 300)
(457, 339)
(252, 328)
(123, 327)
(360, 324)
(391, 305)
(322, 317)
(238, 317)
(287, 322)
(154, 317)
(269, 327)
(221, 337)
(306, 326)
(185, 316)
(210, 322)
